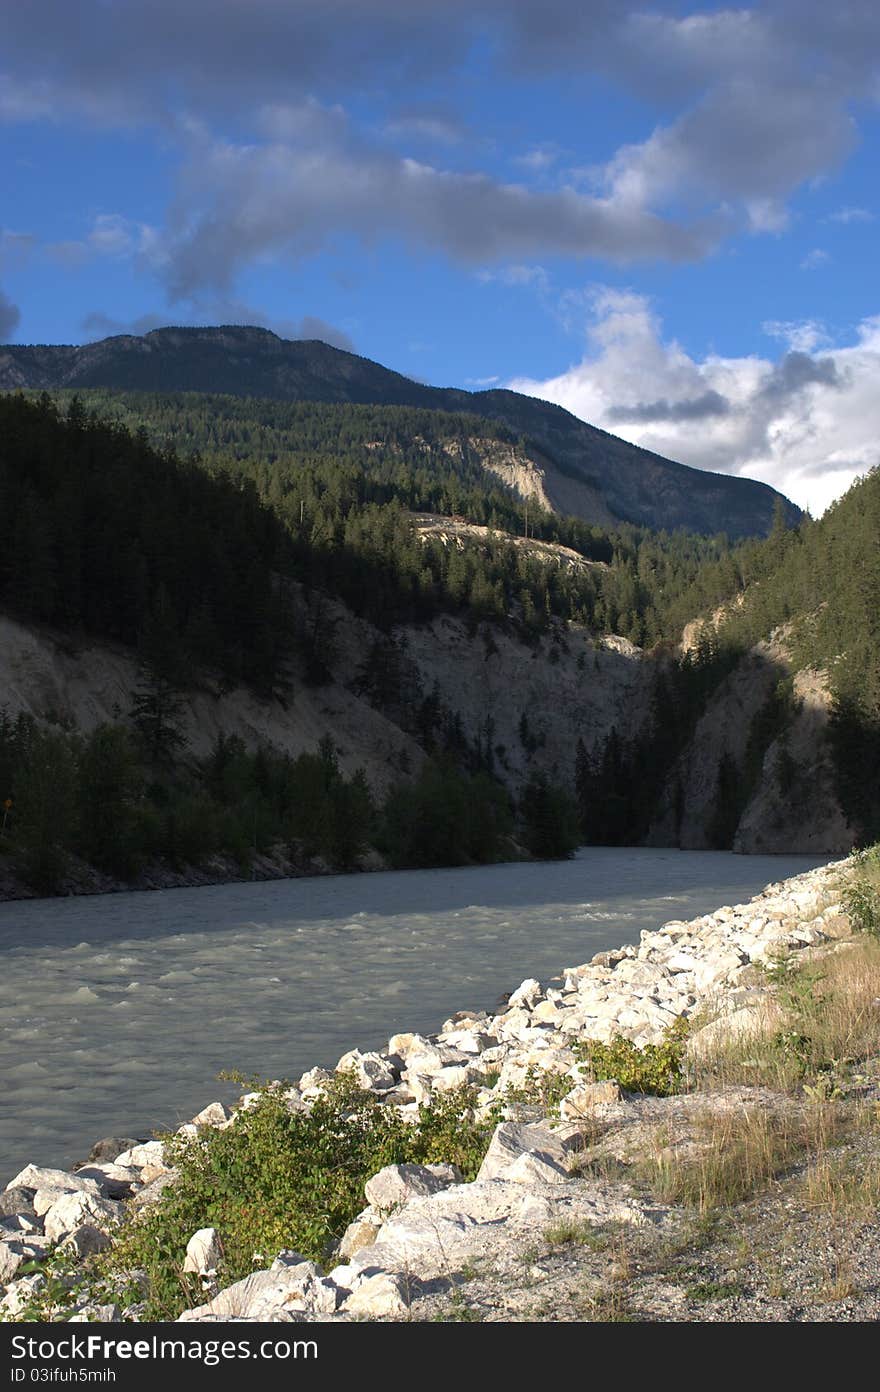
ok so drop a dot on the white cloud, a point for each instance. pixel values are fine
(539, 158)
(114, 237)
(436, 127)
(807, 422)
(534, 276)
(802, 335)
(815, 259)
(848, 215)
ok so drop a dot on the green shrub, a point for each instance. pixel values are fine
(861, 894)
(281, 1178)
(656, 1068)
(539, 1094)
(54, 1300)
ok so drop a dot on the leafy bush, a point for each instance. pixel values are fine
(656, 1068)
(53, 1299)
(538, 1095)
(281, 1178)
(861, 894)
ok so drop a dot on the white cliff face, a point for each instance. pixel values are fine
(86, 686)
(567, 686)
(421, 1224)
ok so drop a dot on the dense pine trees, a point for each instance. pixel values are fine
(344, 481)
(100, 533)
(179, 527)
(103, 534)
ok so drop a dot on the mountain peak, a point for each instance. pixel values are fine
(222, 334)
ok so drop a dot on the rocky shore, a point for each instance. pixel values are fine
(424, 1236)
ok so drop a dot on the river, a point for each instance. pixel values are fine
(118, 1011)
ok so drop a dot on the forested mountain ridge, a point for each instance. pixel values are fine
(613, 477)
(346, 481)
(203, 651)
(782, 746)
(181, 676)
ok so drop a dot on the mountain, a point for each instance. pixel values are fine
(190, 671)
(588, 472)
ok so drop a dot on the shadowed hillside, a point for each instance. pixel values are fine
(633, 484)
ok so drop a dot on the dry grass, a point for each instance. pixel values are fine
(825, 1016)
(609, 1305)
(758, 1059)
(846, 1020)
(838, 1283)
(847, 1188)
(620, 1269)
(734, 1154)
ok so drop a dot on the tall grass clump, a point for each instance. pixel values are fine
(734, 1155)
(822, 1018)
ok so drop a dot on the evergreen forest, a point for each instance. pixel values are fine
(202, 531)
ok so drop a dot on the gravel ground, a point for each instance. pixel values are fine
(780, 1256)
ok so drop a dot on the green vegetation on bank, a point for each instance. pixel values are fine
(284, 1176)
(288, 1175)
(819, 586)
(861, 892)
(102, 798)
(657, 1069)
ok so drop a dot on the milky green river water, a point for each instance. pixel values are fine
(118, 1011)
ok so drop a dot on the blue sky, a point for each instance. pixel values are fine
(664, 217)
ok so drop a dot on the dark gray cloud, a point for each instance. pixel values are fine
(311, 327)
(239, 202)
(837, 464)
(797, 370)
(754, 102)
(10, 317)
(710, 403)
(127, 61)
(735, 70)
(746, 142)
